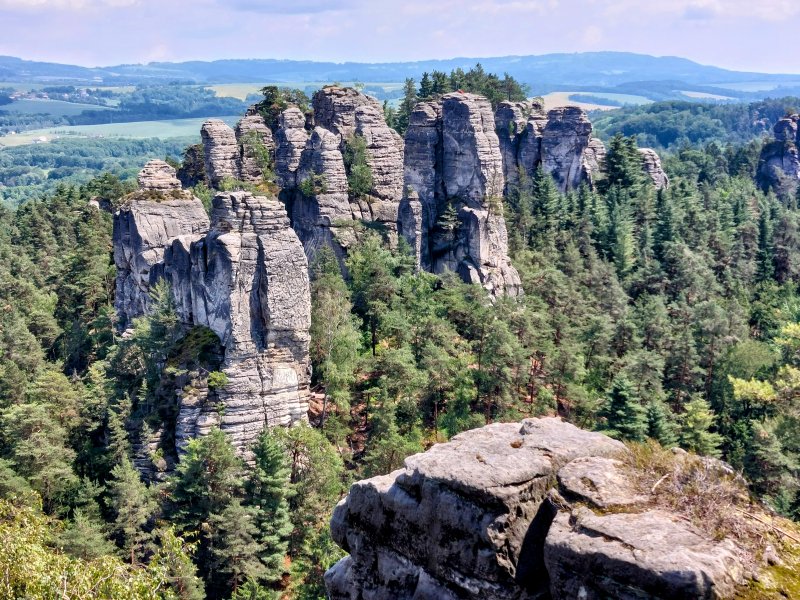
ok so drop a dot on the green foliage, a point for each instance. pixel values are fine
(217, 380)
(268, 491)
(677, 123)
(33, 569)
(359, 173)
(277, 99)
(625, 417)
(313, 185)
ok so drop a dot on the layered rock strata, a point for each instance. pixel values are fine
(539, 509)
(651, 165)
(454, 170)
(244, 276)
(561, 143)
(320, 203)
(779, 164)
(144, 226)
(237, 154)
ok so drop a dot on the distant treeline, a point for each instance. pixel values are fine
(145, 103)
(677, 123)
(31, 171)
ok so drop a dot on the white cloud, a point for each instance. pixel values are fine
(68, 5)
(765, 10)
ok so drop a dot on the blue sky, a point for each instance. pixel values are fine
(758, 35)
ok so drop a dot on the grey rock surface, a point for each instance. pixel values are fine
(454, 164)
(253, 138)
(652, 554)
(159, 176)
(221, 152)
(290, 141)
(651, 165)
(249, 285)
(484, 516)
(243, 275)
(144, 226)
(564, 141)
(779, 163)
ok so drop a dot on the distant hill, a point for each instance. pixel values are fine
(656, 78)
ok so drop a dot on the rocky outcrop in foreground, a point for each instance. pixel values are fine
(779, 165)
(516, 511)
(244, 277)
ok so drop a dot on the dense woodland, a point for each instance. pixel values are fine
(670, 316)
(674, 124)
(34, 170)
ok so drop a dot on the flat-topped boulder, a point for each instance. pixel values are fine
(543, 509)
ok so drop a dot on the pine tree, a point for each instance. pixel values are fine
(235, 553)
(425, 86)
(268, 491)
(406, 106)
(696, 423)
(625, 417)
(133, 505)
(84, 538)
(659, 425)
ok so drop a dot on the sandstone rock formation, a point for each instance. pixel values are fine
(253, 138)
(290, 140)
(220, 152)
(651, 164)
(559, 142)
(244, 276)
(779, 164)
(454, 165)
(249, 285)
(539, 509)
(145, 225)
(237, 154)
(320, 203)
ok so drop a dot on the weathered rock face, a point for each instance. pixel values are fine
(454, 165)
(564, 141)
(651, 164)
(221, 152)
(326, 207)
(249, 285)
(508, 512)
(254, 139)
(239, 153)
(779, 164)
(323, 214)
(145, 225)
(559, 142)
(244, 276)
(159, 176)
(290, 141)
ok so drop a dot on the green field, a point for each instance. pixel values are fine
(624, 98)
(177, 128)
(57, 108)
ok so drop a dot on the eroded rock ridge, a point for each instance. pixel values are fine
(243, 275)
(538, 509)
(779, 164)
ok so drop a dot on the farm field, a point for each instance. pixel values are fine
(556, 99)
(176, 128)
(705, 96)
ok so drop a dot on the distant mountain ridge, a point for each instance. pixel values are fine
(654, 77)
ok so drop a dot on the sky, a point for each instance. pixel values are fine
(752, 35)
